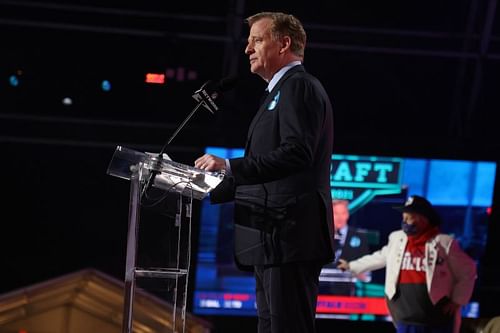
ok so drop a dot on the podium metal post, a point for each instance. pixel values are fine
(170, 176)
(130, 262)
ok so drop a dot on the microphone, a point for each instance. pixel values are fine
(210, 91)
(205, 96)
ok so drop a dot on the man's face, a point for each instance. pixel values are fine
(263, 51)
(340, 215)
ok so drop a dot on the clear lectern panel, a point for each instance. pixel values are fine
(168, 175)
(171, 277)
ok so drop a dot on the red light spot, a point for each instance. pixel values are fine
(238, 297)
(155, 78)
(488, 210)
(23, 331)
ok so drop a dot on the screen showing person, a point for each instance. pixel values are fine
(460, 190)
(350, 243)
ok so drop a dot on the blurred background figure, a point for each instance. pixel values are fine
(350, 243)
(428, 276)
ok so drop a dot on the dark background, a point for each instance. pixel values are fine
(406, 78)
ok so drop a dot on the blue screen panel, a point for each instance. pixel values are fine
(460, 190)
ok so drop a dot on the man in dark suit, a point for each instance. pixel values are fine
(281, 187)
(350, 243)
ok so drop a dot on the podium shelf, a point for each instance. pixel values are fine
(164, 273)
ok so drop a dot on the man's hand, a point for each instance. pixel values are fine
(343, 265)
(210, 163)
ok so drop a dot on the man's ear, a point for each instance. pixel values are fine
(286, 43)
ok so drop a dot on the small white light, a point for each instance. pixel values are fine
(67, 101)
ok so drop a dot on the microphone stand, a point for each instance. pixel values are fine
(155, 169)
(181, 126)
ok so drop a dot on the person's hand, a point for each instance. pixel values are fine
(210, 163)
(450, 308)
(343, 265)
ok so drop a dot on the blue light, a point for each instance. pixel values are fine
(14, 80)
(106, 85)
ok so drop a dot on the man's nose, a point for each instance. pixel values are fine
(248, 49)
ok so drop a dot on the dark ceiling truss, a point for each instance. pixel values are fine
(470, 48)
(466, 94)
(228, 29)
(486, 39)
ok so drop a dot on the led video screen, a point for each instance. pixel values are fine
(461, 191)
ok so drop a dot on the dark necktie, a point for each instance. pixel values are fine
(263, 97)
(337, 245)
(337, 239)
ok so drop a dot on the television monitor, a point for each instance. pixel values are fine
(461, 190)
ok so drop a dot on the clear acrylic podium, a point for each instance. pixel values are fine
(145, 171)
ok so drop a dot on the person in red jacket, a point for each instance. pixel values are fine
(428, 275)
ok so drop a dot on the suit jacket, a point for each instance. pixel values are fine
(355, 245)
(281, 187)
(450, 271)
